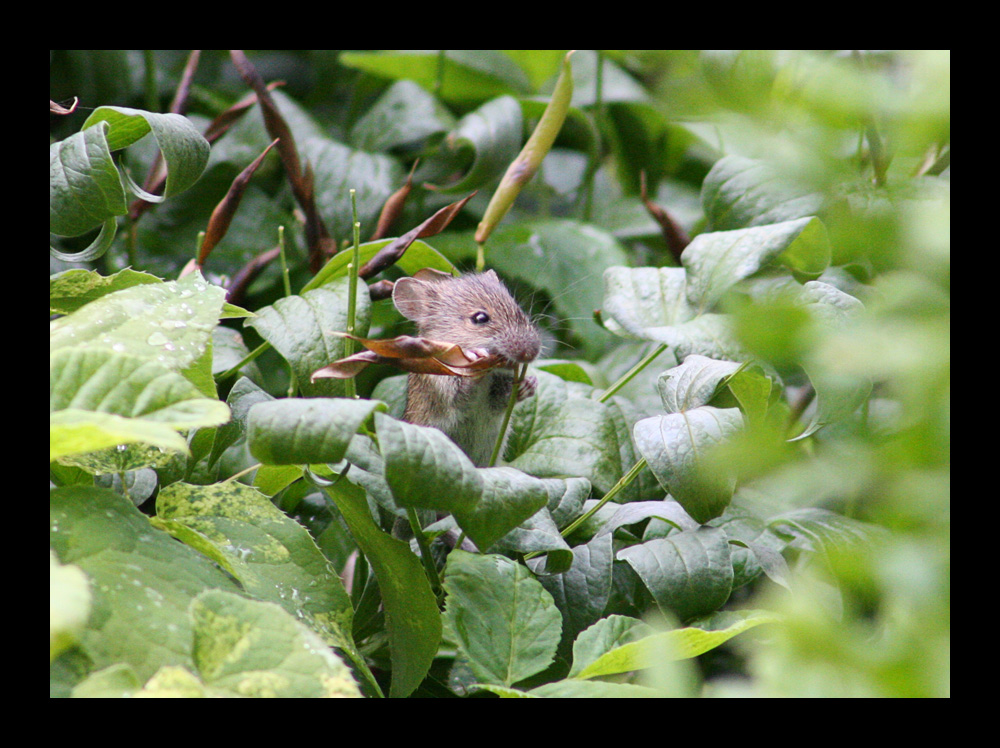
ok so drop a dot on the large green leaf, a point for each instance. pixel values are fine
(490, 137)
(72, 289)
(85, 189)
(652, 304)
(559, 432)
(467, 76)
(171, 322)
(273, 556)
(717, 261)
(693, 383)
(256, 649)
(99, 398)
(675, 447)
(404, 114)
(688, 573)
(242, 648)
(582, 591)
(838, 393)
(504, 621)
(412, 618)
(618, 644)
(303, 329)
(305, 431)
(425, 469)
(142, 580)
(740, 192)
(185, 151)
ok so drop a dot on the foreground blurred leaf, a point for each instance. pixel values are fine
(142, 579)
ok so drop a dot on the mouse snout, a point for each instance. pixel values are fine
(524, 348)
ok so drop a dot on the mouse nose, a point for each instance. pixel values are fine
(526, 349)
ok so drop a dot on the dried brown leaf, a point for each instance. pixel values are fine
(391, 252)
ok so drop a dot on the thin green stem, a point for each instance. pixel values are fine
(352, 290)
(284, 264)
(425, 550)
(237, 476)
(630, 374)
(232, 371)
(615, 490)
(480, 257)
(518, 378)
(149, 81)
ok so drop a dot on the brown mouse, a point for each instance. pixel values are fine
(477, 312)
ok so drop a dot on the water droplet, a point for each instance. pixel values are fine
(157, 338)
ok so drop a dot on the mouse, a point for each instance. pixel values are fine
(479, 313)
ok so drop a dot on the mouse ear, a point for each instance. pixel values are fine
(430, 275)
(492, 274)
(408, 296)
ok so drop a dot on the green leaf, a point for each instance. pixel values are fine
(491, 135)
(425, 469)
(418, 255)
(688, 573)
(717, 261)
(838, 394)
(403, 115)
(693, 383)
(247, 648)
(468, 76)
(504, 621)
(604, 637)
(69, 605)
(99, 398)
(618, 645)
(412, 618)
(814, 529)
(273, 556)
(298, 432)
(559, 433)
(185, 151)
(651, 304)
(78, 432)
(72, 289)
(509, 498)
(675, 447)
(338, 169)
(171, 322)
(582, 591)
(142, 580)
(740, 192)
(303, 330)
(85, 189)
(752, 389)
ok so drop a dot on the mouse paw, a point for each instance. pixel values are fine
(527, 388)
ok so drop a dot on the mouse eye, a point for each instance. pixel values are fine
(480, 318)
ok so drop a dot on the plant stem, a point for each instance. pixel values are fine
(243, 362)
(425, 550)
(630, 374)
(352, 290)
(615, 490)
(284, 264)
(518, 378)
